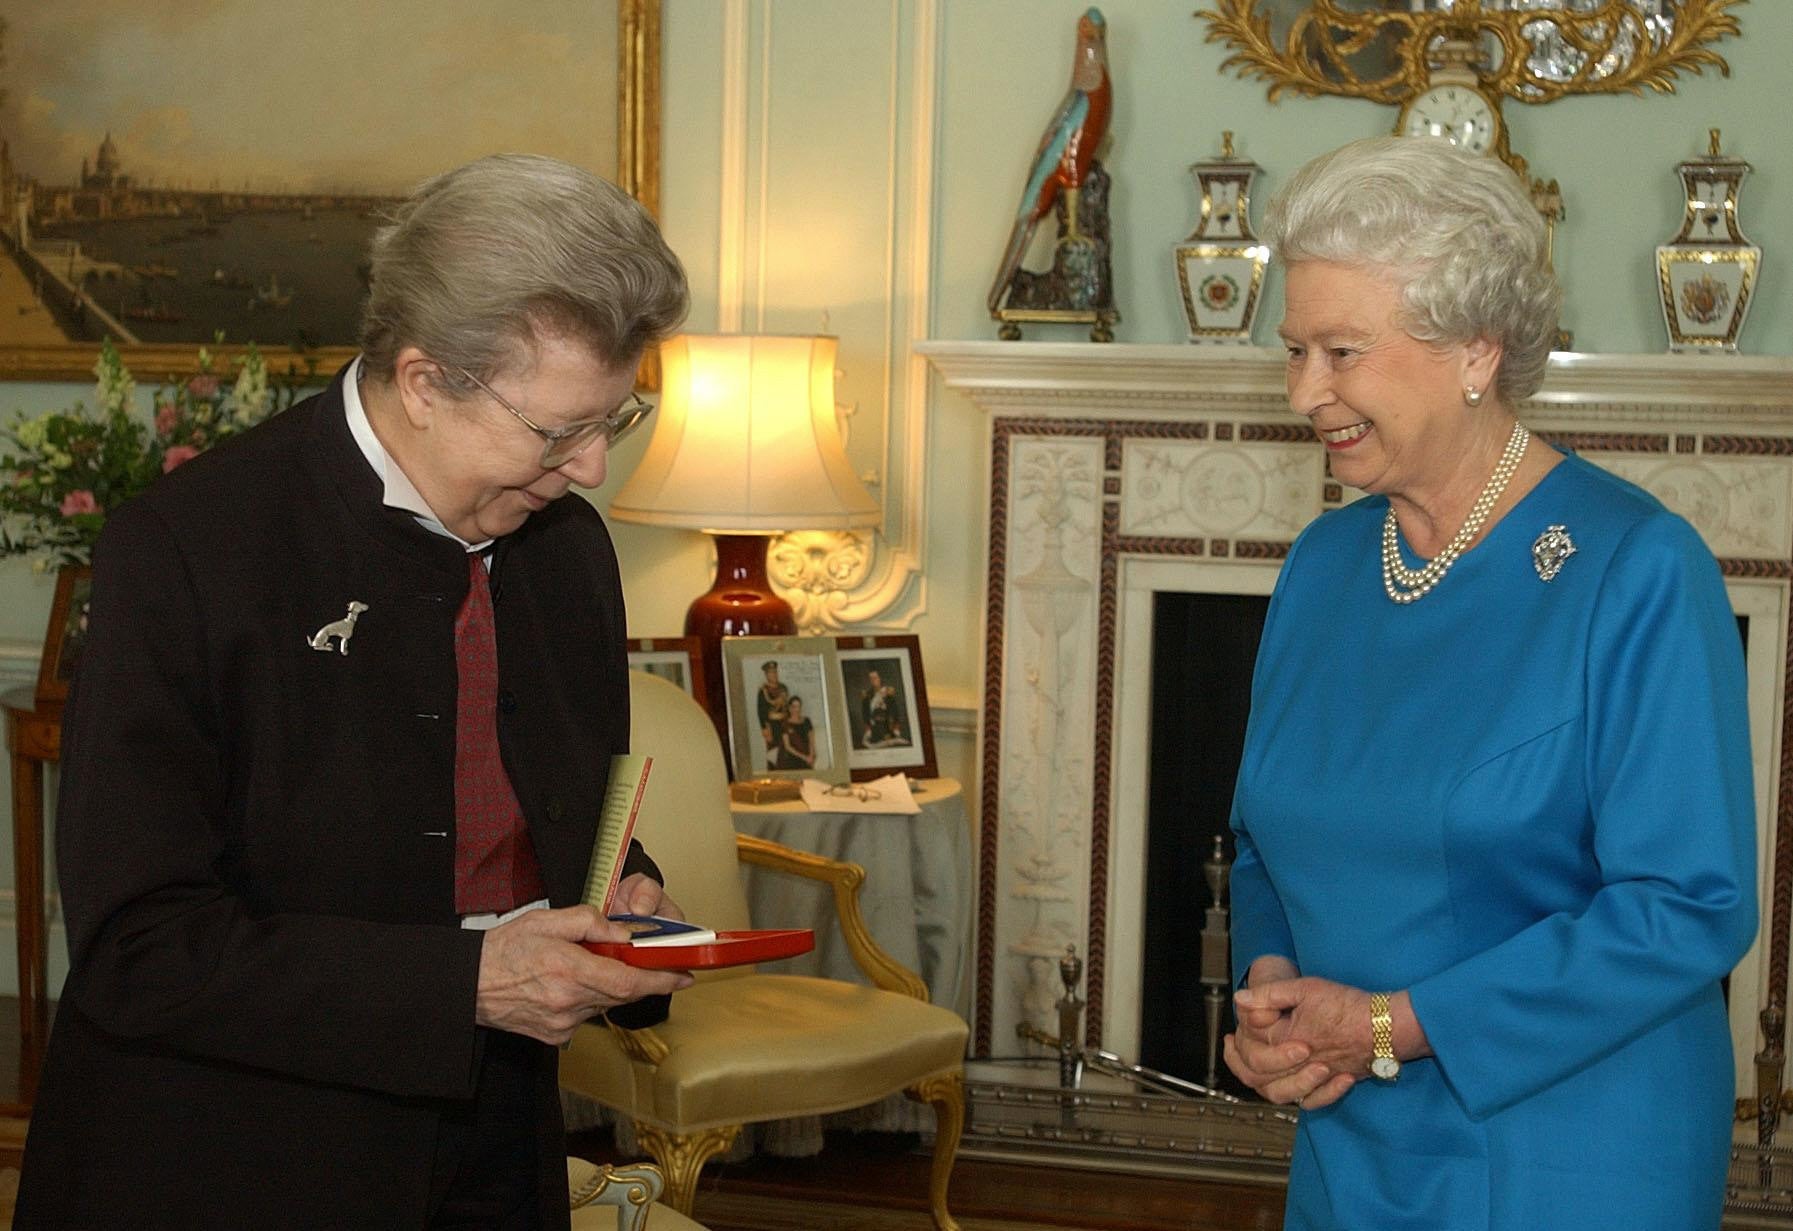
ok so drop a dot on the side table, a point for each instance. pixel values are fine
(917, 893)
(34, 739)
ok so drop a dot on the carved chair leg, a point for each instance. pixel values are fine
(947, 1095)
(682, 1155)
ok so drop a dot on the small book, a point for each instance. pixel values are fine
(659, 943)
(616, 823)
(659, 930)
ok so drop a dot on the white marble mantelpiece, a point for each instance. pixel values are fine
(1117, 471)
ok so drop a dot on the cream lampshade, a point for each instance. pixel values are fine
(746, 446)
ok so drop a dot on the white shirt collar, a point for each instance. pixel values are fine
(399, 492)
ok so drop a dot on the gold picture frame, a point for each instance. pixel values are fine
(637, 171)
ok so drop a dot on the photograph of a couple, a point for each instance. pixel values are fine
(787, 723)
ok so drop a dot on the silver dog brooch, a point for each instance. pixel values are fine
(341, 629)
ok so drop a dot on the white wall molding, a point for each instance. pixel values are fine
(731, 243)
(760, 167)
(19, 657)
(896, 592)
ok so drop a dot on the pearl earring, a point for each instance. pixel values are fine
(1472, 395)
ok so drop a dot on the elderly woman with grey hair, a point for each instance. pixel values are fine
(1494, 814)
(323, 907)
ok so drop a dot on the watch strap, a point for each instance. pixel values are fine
(1382, 1027)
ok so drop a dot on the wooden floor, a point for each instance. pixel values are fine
(890, 1171)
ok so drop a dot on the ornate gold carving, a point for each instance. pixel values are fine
(638, 101)
(642, 1046)
(1316, 57)
(682, 1155)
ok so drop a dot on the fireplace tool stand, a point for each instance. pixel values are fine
(1216, 979)
(1105, 1112)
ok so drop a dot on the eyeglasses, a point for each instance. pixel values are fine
(562, 444)
(863, 794)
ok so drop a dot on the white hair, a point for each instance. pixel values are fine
(1458, 232)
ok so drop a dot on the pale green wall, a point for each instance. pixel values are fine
(831, 94)
(1002, 67)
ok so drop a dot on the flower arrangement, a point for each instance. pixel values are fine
(65, 469)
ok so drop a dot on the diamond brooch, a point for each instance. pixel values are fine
(1550, 550)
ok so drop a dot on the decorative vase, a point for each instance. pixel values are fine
(1707, 272)
(1220, 267)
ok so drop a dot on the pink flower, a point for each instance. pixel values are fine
(79, 502)
(166, 417)
(203, 386)
(176, 455)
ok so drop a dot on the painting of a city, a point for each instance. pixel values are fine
(233, 200)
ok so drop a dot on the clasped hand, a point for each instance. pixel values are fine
(1299, 1040)
(536, 979)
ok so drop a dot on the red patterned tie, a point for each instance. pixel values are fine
(494, 860)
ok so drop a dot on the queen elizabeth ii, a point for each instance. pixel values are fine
(1494, 813)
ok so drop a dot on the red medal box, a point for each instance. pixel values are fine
(727, 949)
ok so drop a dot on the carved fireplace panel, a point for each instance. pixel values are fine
(1116, 472)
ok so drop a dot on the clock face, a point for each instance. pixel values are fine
(1458, 113)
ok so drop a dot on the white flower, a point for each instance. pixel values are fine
(116, 391)
(251, 391)
(30, 432)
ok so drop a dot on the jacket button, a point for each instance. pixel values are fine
(507, 702)
(555, 809)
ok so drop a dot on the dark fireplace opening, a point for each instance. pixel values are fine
(1203, 649)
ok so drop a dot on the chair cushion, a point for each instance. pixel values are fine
(766, 1047)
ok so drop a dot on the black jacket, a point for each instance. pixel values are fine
(270, 1004)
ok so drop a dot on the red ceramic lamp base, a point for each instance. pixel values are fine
(741, 603)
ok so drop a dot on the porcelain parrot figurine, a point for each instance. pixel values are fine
(1066, 149)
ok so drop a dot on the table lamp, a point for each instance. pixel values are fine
(746, 447)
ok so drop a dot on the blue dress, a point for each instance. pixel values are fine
(1530, 805)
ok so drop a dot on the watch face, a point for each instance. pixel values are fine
(1458, 113)
(1385, 1067)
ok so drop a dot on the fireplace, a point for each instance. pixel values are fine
(1131, 486)
(1203, 648)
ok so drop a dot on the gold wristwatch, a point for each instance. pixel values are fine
(1383, 1064)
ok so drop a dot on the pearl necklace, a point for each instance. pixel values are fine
(1407, 585)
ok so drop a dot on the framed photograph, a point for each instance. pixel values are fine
(170, 210)
(887, 707)
(678, 660)
(787, 715)
(68, 629)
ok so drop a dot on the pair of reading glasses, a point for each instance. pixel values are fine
(561, 445)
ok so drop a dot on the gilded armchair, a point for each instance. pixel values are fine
(744, 1044)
